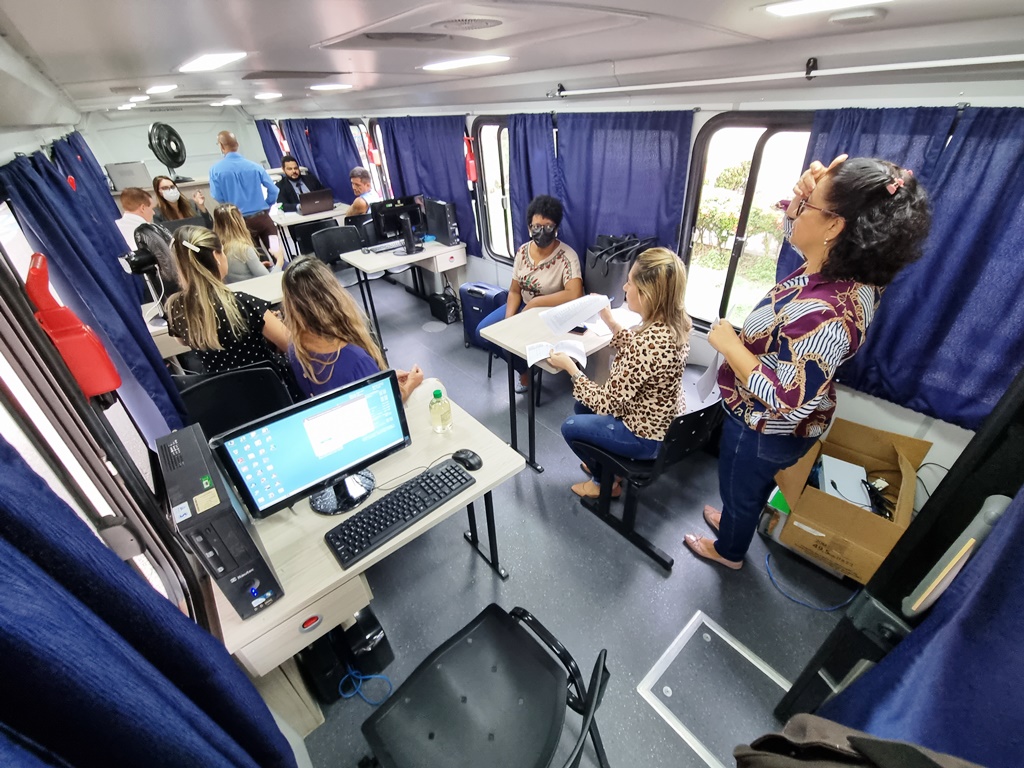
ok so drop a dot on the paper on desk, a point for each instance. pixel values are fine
(564, 317)
(540, 351)
(623, 315)
(708, 381)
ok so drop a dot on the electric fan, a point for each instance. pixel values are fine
(169, 149)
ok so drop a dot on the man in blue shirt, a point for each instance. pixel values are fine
(246, 185)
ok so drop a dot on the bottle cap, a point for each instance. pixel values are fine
(437, 393)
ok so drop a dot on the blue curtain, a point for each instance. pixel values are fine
(269, 140)
(912, 138)
(623, 172)
(298, 143)
(335, 153)
(954, 684)
(532, 166)
(57, 223)
(949, 336)
(426, 155)
(97, 667)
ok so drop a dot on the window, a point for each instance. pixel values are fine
(743, 164)
(495, 209)
(381, 168)
(363, 144)
(281, 140)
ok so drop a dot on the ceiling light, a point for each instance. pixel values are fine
(268, 95)
(209, 61)
(330, 87)
(161, 89)
(216, 103)
(231, 102)
(126, 107)
(134, 99)
(441, 66)
(858, 16)
(801, 7)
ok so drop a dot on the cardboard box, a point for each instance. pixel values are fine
(843, 536)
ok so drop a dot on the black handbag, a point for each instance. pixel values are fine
(608, 268)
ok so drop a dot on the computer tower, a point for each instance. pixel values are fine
(211, 523)
(441, 221)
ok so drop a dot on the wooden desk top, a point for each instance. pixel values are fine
(294, 537)
(378, 262)
(516, 332)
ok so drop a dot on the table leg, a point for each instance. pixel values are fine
(373, 314)
(492, 536)
(513, 426)
(284, 234)
(531, 420)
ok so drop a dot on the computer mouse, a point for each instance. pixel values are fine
(467, 458)
(365, 249)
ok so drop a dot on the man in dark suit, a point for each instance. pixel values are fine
(294, 183)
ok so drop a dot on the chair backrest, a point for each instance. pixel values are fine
(686, 434)
(329, 244)
(227, 400)
(302, 234)
(364, 224)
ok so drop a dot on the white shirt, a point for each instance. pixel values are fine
(371, 197)
(127, 224)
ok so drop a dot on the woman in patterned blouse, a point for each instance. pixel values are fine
(857, 223)
(630, 414)
(546, 272)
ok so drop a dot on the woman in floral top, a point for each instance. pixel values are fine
(546, 272)
(630, 414)
(857, 223)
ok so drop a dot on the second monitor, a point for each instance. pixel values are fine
(387, 216)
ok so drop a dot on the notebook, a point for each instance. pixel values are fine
(316, 202)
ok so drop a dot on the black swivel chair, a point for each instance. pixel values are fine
(686, 434)
(493, 695)
(364, 225)
(303, 233)
(224, 401)
(330, 243)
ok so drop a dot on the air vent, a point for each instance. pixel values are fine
(290, 74)
(162, 109)
(405, 37)
(200, 96)
(467, 25)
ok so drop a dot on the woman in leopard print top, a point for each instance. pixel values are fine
(630, 414)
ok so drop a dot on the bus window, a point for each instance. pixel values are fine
(380, 172)
(361, 138)
(492, 165)
(737, 231)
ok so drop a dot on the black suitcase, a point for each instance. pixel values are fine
(478, 301)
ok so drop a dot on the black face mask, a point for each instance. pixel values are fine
(543, 239)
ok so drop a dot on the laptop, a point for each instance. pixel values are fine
(124, 175)
(316, 202)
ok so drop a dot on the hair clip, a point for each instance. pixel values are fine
(190, 246)
(897, 182)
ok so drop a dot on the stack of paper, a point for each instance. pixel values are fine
(564, 317)
(542, 349)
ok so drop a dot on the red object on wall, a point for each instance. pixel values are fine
(76, 342)
(371, 150)
(72, 183)
(470, 160)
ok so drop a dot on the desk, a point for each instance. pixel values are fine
(434, 258)
(286, 220)
(513, 334)
(315, 585)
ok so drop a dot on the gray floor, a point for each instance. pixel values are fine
(589, 586)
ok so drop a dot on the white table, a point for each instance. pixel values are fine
(513, 334)
(315, 585)
(286, 220)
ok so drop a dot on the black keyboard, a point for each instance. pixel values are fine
(388, 245)
(374, 526)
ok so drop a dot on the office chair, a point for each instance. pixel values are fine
(364, 225)
(492, 695)
(303, 233)
(686, 434)
(224, 401)
(330, 243)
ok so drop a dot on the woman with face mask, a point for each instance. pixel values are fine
(171, 204)
(546, 272)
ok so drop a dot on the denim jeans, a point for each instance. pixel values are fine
(608, 433)
(747, 463)
(496, 316)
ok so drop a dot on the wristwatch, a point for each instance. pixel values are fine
(579, 375)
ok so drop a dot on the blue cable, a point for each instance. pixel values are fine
(357, 679)
(785, 594)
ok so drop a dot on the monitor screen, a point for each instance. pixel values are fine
(387, 212)
(282, 458)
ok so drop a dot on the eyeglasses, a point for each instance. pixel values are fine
(547, 229)
(804, 204)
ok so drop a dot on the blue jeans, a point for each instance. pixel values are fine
(747, 463)
(608, 433)
(496, 316)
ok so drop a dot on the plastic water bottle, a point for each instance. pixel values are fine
(440, 412)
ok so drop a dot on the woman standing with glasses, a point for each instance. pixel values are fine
(546, 272)
(856, 223)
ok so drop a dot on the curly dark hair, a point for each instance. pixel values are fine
(547, 206)
(884, 231)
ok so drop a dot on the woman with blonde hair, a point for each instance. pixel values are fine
(228, 330)
(630, 413)
(330, 340)
(172, 206)
(243, 261)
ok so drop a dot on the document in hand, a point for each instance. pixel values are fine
(566, 316)
(709, 380)
(540, 351)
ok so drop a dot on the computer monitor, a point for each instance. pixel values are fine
(320, 447)
(386, 215)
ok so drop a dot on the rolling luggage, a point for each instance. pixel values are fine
(478, 301)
